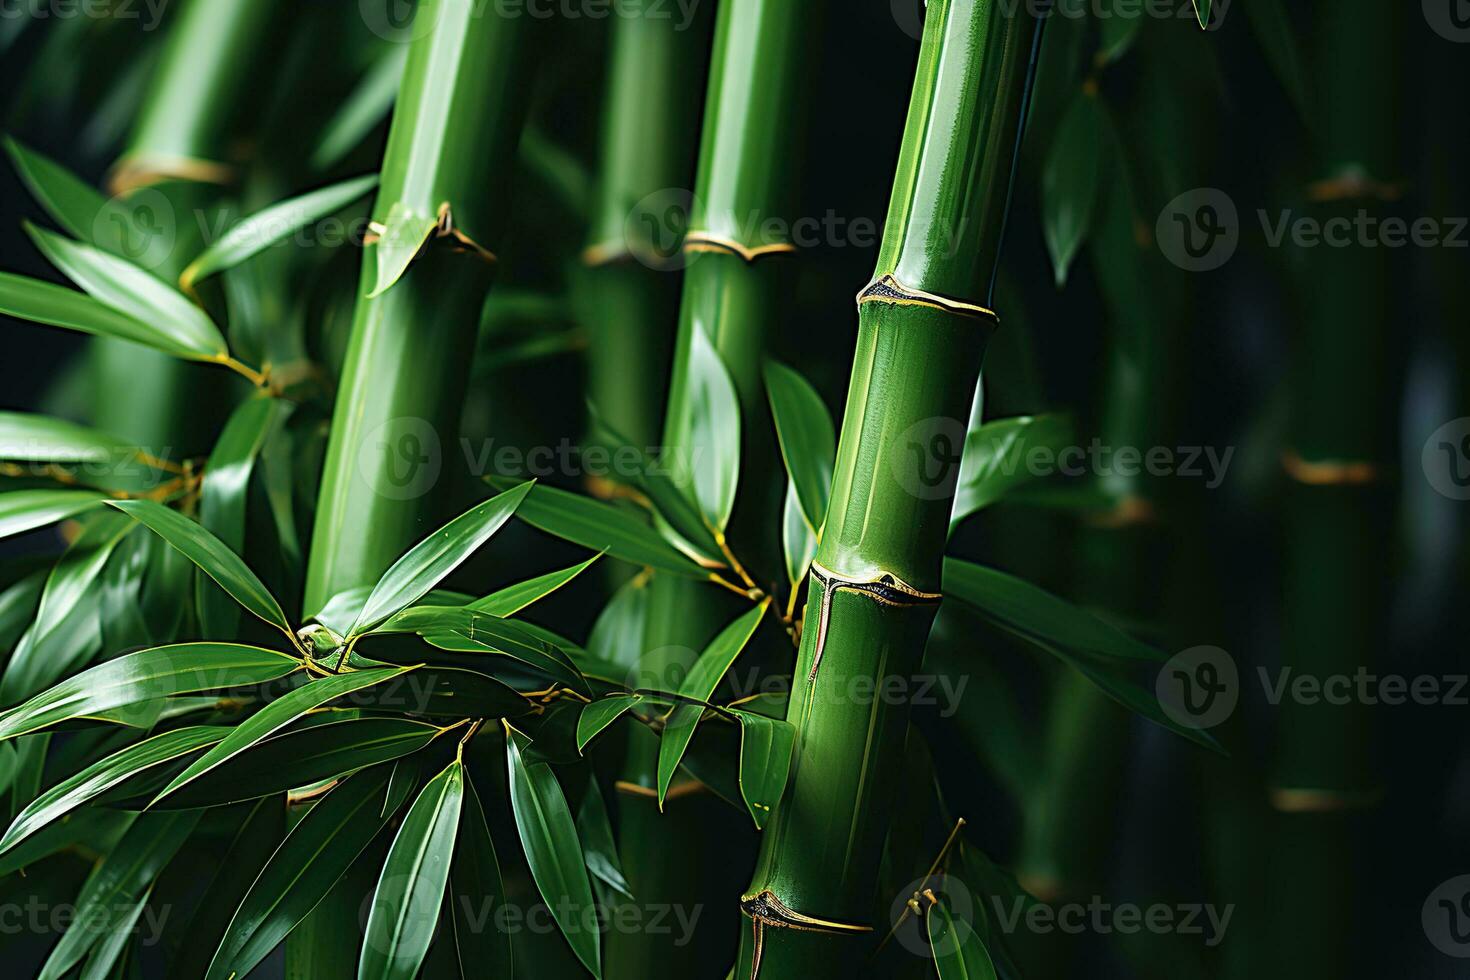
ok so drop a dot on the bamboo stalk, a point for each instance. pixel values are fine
(923, 325)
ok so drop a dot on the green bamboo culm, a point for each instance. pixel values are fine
(178, 153)
(441, 208)
(737, 263)
(923, 326)
(650, 141)
(1340, 524)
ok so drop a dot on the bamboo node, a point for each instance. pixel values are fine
(705, 241)
(768, 910)
(1329, 472)
(888, 290)
(885, 589)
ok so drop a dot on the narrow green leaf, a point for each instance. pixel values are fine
(283, 762)
(134, 292)
(103, 956)
(463, 631)
(513, 598)
(427, 563)
(1202, 9)
(475, 889)
(26, 510)
(70, 201)
(405, 909)
(765, 762)
(598, 846)
(222, 497)
(807, 436)
(211, 554)
(43, 439)
(277, 715)
(363, 110)
(598, 715)
(997, 455)
(314, 855)
(117, 884)
(185, 668)
(553, 850)
(617, 634)
(272, 225)
(710, 448)
(601, 527)
(96, 828)
(798, 540)
(700, 685)
(1070, 181)
(57, 306)
(105, 774)
(404, 234)
(959, 953)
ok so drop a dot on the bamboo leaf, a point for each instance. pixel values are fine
(712, 443)
(277, 715)
(43, 439)
(212, 556)
(700, 685)
(403, 235)
(553, 850)
(57, 306)
(995, 460)
(410, 890)
(110, 945)
(427, 563)
(765, 762)
(959, 953)
(617, 634)
(26, 510)
(222, 497)
(1070, 180)
(302, 757)
(118, 884)
(513, 598)
(70, 201)
(273, 225)
(798, 540)
(464, 631)
(184, 668)
(105, 774)
(808, 439)
(597, 840)
(1202, 10)
(314, 855)
(134, 292)
(598, 715)
(601, 527)
(475, 887)
(363, 110)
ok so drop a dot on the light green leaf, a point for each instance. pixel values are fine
(26, 510)
(185, 668)
(598, 715)
(553, 850)
(427, 563)
(410, 890)
(404, 234)
(364, 108)
(798, 540)
(211, 555)
(327, 841)
(710, 449)
(765, 762)
(601, 527)
(277, 715)
(1070, 181)
(617, 634)
(959, 954)
(703, 678)
(136, 293)
(105, 774)
(996, 458)
(43, 439)
(513, 598)
(272, 225)
(807, 436)
(57, 306)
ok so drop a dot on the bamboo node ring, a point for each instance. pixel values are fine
(888, 290)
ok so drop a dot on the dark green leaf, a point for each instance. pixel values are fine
(410, 892)
(996, 458)
(1070, 181)
(367, 106)
(1202, 9)
(475, 892)
(807, 436)
(959, 953)
(617, 635)
(598, 715)
(513, 598)
(463, 631)
(597, 840)
(765, 762)
(71, 202)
